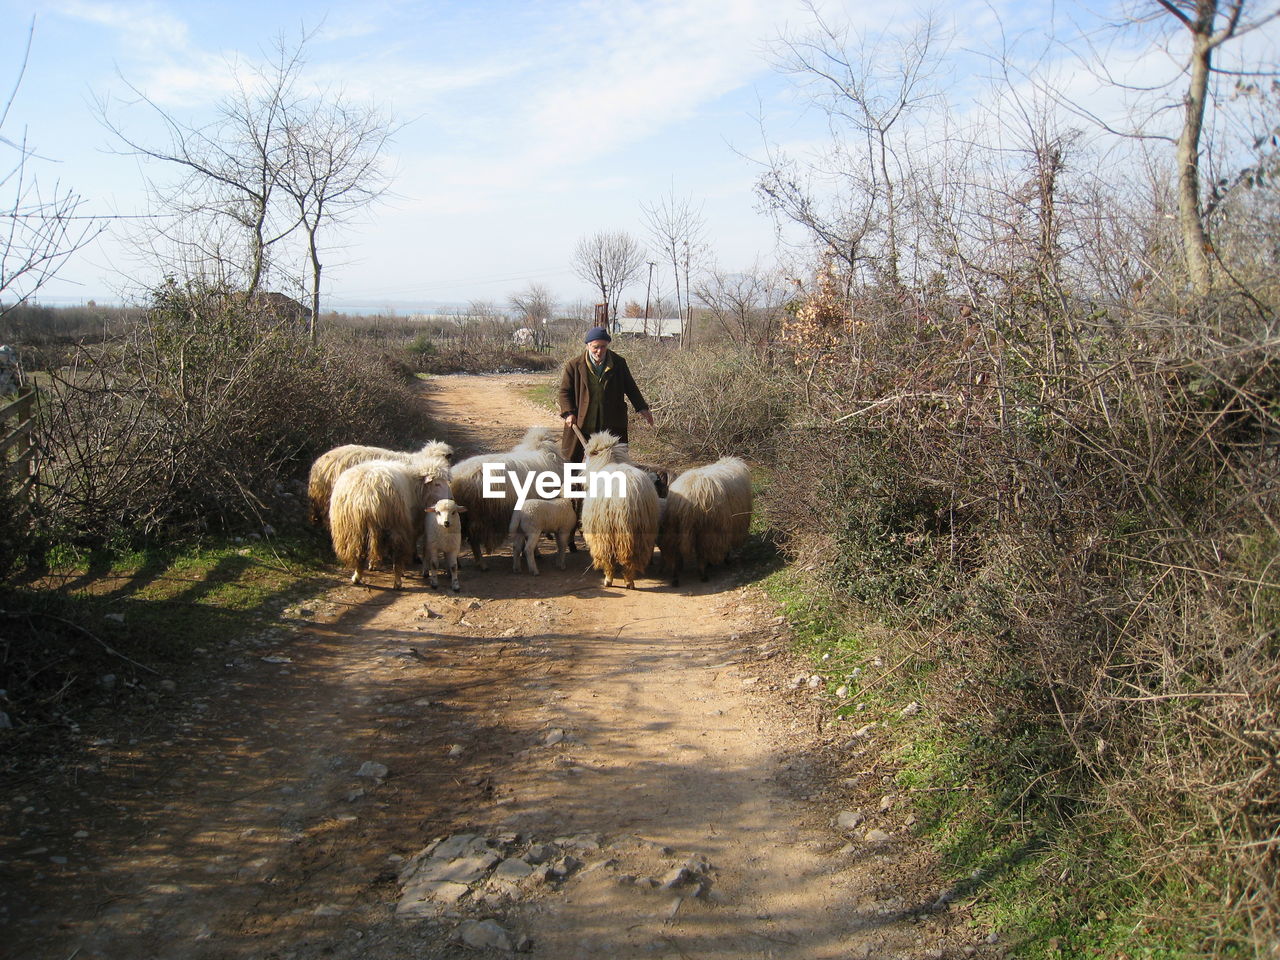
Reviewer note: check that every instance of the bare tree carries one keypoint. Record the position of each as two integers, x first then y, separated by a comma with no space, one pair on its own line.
609,261
534,303
677,229
230,168
850,198
39,230
333,169
1210,24
273,161
747,305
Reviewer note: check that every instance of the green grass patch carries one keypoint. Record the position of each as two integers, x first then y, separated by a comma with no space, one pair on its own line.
545,395
139,616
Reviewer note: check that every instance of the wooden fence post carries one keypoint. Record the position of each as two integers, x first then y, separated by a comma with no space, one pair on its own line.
17,453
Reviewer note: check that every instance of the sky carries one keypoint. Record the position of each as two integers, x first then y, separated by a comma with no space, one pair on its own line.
521,126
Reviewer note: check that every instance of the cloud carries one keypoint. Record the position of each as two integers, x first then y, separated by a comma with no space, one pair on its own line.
600,78
145,27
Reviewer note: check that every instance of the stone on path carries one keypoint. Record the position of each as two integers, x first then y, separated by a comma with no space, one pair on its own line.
485,935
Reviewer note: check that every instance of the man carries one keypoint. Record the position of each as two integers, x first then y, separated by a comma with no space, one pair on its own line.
593,393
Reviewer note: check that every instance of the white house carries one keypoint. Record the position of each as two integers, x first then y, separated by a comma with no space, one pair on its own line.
661,327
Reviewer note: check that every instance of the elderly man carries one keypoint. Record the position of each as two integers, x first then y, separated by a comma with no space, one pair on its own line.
593,392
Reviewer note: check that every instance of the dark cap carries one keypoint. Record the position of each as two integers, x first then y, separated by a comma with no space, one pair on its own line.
596,333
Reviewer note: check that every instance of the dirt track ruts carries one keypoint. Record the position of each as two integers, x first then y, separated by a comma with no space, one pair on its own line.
660,724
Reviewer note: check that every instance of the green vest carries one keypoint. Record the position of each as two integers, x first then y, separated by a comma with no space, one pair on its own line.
594,420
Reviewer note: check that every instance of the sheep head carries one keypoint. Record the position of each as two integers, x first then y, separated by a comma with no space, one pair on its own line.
446,511
603,446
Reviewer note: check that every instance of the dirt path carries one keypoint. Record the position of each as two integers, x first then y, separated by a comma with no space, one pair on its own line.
607,774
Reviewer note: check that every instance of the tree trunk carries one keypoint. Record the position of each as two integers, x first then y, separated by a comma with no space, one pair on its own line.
315,286
1195,239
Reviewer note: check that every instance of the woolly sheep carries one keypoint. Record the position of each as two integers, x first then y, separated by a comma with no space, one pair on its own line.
530,522
330,464
489,518
444,541
374,511
620,530
708,515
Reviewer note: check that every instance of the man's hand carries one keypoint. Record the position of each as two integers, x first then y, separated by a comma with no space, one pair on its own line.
571,419
648,417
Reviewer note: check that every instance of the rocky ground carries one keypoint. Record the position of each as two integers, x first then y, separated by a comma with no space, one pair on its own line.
537,766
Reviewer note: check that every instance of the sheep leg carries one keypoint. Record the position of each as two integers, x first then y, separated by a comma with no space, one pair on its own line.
481,562
531,555
608,572
517,548
560,547
452,559
433,564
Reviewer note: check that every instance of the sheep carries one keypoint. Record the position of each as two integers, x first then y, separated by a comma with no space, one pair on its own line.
708,514
374,511
488,518
530,522
330,464
620,530
444,540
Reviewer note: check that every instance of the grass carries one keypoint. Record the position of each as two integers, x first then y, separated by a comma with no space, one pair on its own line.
140,616
545,394
1051,874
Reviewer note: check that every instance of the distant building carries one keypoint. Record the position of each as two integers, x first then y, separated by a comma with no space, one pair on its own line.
281,307
659,327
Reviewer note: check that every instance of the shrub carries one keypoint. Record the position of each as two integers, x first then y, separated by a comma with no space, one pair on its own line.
710,401
200,415
1082,513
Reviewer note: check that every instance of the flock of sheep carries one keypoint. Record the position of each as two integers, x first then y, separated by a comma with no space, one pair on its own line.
381,504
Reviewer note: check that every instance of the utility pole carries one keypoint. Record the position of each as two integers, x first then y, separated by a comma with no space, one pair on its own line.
648,287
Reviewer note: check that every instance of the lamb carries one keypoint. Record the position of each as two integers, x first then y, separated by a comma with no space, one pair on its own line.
444,540
620,530
489,518
708,515
330,464
530,522
374,511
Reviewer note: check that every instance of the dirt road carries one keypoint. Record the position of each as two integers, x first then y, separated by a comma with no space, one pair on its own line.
537,764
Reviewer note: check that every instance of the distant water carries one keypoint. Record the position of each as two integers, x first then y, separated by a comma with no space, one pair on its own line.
399,309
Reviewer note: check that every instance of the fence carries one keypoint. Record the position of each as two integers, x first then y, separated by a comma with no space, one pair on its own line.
17,455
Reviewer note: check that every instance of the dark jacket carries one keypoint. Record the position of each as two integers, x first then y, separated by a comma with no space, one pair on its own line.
575,396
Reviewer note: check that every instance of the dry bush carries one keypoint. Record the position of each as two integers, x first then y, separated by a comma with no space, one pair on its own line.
1096,497
200,415
476,357
709,401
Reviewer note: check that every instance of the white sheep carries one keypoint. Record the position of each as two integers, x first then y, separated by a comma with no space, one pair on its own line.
374,510
489,518
330,464
708,515
531,521
444,540
619,525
